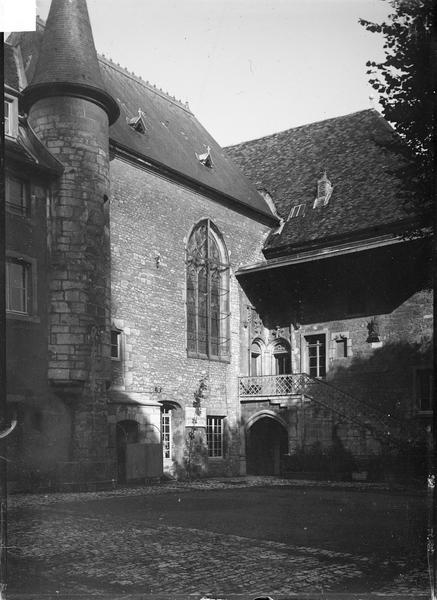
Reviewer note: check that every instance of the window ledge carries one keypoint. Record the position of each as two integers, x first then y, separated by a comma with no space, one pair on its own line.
19,317
226,360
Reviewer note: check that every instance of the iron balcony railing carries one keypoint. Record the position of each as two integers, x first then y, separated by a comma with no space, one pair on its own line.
381,423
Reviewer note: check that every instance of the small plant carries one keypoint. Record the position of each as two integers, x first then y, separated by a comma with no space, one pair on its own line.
196,448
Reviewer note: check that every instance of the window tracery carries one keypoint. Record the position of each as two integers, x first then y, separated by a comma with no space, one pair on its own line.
207,294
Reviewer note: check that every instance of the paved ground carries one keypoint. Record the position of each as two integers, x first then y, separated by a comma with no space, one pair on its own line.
220,538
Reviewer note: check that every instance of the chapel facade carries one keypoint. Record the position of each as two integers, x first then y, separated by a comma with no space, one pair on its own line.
178,309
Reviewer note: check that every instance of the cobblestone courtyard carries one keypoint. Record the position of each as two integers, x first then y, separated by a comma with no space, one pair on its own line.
219,538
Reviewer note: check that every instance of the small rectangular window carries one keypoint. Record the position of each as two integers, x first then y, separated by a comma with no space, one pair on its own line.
18,286
214,436
17,196
115,344
341,348
10,117
297,211
424,389
7,117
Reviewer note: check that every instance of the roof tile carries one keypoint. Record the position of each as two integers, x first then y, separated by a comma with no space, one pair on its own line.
358,152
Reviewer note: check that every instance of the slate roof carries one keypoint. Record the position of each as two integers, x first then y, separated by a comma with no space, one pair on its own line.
359,152
28,150
11,77
173,135
67,52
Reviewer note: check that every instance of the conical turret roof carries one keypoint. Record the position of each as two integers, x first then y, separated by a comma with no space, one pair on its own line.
67,63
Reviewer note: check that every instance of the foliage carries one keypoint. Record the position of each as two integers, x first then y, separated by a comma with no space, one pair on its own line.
405,83
195,448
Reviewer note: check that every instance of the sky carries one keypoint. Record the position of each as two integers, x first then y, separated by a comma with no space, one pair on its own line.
247,68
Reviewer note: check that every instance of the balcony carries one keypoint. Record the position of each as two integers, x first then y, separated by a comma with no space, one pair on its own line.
283,389
273,385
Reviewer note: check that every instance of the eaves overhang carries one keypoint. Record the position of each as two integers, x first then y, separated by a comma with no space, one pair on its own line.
321,254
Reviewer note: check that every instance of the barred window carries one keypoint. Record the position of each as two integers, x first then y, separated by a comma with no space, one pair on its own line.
214,436
207,293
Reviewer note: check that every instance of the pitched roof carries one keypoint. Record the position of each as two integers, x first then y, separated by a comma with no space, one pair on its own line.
11,75
359,153
68,57
173,135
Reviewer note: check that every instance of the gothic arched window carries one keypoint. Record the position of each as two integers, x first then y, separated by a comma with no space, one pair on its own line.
207,293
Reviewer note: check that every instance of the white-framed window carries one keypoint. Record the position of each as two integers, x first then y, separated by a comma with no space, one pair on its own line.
316,355
10,116
115,344
424,389
17,196
297,211
18,286
214,436
166,433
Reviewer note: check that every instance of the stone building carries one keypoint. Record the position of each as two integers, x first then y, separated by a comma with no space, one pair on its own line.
168,314
340,311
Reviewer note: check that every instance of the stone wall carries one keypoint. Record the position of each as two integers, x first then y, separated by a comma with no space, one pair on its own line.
75,131
151,219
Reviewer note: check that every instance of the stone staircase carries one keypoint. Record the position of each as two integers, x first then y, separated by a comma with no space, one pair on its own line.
290,390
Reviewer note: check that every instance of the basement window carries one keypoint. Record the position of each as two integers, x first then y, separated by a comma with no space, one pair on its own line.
205,159
297,211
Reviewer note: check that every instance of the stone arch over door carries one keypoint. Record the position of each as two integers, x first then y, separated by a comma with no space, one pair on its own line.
266,443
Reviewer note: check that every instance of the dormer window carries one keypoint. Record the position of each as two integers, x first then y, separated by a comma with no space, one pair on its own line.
138,123
205,159
324,191
10,116
297,211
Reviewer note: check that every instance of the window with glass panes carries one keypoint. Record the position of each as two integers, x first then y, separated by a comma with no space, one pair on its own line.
166,432
316,355
17,286
214,436
207,294
115,344
7,117
16,196
10,116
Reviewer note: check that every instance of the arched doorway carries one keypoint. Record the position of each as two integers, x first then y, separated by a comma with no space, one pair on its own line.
127,433
266,443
